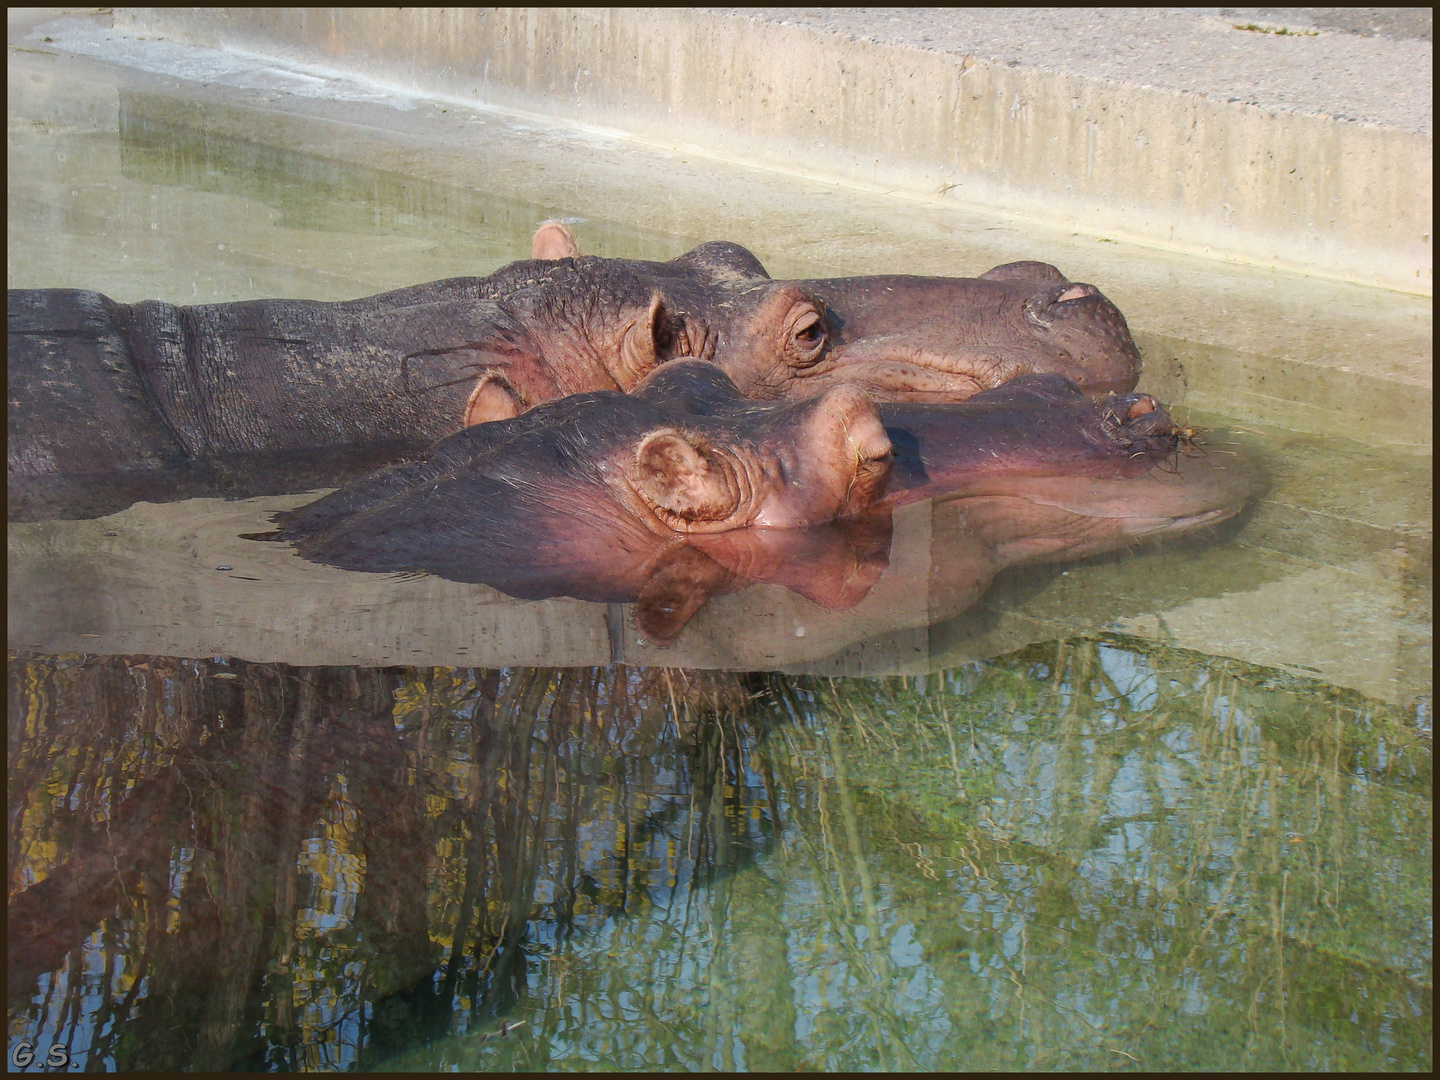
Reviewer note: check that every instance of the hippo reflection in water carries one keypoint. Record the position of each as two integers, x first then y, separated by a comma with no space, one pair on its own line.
97,387
685,489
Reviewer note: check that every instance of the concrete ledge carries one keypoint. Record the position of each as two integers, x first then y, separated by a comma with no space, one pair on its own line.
1157,167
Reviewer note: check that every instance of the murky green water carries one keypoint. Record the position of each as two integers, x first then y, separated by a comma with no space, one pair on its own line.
1163,810
1088,854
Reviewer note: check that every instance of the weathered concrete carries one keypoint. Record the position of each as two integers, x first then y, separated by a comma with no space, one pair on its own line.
1374,72
1150,164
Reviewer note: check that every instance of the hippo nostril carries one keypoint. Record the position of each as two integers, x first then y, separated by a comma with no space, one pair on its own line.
868,436
1142,405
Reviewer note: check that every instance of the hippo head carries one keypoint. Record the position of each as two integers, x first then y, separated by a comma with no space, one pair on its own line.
683,455
817,461
935,339
722,463
900,338
665,497
570,323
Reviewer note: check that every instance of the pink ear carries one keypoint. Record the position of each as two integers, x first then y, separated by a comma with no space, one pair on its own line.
553,241
678,481
492,399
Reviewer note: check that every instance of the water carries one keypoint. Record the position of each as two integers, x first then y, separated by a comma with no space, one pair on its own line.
1165,809
1086,854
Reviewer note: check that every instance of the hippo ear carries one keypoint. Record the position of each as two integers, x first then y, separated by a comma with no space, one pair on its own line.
683,484
493,399
1039,274
641,345
553,240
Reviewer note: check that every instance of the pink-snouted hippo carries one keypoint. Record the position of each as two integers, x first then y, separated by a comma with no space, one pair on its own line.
684,488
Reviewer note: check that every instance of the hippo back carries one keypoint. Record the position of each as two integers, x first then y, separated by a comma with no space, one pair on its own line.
77,403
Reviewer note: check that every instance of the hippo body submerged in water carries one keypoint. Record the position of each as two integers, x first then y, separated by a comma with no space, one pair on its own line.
148,390
684,489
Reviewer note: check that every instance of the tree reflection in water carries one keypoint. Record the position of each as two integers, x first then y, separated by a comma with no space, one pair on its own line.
1082,855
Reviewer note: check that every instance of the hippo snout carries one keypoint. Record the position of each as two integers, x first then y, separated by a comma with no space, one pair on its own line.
1141,422
849,452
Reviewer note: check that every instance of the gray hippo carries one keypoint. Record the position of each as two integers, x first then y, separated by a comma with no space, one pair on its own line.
684,488
148,390
899,337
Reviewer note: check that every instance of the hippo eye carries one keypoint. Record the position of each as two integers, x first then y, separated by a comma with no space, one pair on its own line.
807,334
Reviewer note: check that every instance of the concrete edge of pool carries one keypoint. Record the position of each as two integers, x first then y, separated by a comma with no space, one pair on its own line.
1295,189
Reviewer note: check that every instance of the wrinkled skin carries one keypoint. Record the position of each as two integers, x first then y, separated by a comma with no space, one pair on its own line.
1017,319
146,389
113,402
684,489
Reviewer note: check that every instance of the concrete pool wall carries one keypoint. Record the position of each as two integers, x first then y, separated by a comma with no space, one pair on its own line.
1158,152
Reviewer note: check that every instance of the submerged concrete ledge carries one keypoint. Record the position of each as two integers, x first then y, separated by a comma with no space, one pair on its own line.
1144,164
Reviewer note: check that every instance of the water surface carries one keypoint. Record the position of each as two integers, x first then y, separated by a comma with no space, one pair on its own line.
1087,854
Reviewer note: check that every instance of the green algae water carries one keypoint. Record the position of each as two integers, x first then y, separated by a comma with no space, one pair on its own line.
1090,854
1167,809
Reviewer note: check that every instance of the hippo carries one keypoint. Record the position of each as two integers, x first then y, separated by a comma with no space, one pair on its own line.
151,390
900,337
685,488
